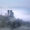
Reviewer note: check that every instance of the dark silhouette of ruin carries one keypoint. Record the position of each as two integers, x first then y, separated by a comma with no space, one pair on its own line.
10,13
14,24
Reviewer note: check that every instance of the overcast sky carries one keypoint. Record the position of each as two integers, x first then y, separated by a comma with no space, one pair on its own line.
14,3
17,6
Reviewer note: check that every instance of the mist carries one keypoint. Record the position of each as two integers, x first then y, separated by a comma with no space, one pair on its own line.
22,13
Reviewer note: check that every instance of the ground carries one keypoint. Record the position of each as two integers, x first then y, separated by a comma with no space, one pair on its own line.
19,28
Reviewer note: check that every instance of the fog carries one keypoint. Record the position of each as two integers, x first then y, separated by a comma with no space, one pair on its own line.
22,13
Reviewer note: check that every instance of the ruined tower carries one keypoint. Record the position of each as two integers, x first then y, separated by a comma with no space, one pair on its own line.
10,13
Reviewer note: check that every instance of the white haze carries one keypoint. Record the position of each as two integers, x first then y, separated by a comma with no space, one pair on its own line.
18,13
